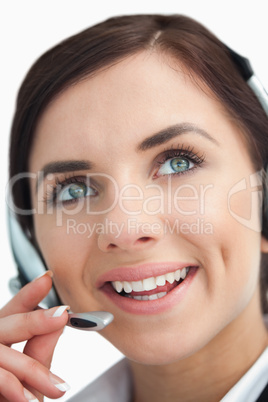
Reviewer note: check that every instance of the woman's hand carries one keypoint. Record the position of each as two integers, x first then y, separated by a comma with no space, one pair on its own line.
26,376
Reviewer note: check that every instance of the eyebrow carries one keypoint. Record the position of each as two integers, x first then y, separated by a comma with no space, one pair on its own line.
163,136
63,167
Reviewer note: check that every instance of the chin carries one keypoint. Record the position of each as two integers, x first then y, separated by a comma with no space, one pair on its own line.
154,348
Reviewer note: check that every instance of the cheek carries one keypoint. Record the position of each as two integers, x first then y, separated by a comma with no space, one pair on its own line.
68,254
192,209
221,228
227,207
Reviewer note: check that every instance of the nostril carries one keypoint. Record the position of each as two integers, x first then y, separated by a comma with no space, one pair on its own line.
144,239
111,245
125,246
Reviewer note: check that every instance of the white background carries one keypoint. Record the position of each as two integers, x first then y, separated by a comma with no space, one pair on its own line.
28,28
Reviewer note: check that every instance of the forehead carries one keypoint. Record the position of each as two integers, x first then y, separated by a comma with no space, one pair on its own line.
120,106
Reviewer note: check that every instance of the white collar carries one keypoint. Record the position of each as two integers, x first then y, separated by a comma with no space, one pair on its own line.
251,385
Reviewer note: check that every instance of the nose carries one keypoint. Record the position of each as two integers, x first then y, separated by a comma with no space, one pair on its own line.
129,236
129,233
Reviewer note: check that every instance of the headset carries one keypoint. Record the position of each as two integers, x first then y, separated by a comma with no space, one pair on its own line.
253,82
29,263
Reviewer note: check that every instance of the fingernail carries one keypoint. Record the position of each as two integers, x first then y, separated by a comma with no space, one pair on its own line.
59,383
29,396
56,311
49,273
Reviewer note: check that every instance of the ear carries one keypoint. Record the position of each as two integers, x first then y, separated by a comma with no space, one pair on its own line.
264,245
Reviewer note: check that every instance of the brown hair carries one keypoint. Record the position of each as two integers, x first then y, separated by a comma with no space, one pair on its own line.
106,43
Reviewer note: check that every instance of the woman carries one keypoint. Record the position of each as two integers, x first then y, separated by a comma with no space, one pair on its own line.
145,148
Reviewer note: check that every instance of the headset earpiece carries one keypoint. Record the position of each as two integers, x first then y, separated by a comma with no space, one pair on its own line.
27,259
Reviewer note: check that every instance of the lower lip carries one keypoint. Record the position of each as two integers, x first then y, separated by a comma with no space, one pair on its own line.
151,306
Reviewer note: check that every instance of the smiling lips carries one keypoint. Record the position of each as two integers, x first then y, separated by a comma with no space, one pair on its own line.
151,288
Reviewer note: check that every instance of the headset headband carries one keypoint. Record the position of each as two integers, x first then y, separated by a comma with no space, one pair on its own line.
247,73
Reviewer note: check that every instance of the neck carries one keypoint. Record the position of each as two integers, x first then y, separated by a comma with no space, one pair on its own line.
210,373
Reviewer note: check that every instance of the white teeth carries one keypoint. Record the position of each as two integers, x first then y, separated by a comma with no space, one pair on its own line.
127,287
152,297
161,294
170,277
160,280
118,286
150,283
183,273
137,286
137,297
177,275
145,297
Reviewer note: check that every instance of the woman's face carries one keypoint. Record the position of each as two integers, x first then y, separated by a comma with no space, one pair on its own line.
146,179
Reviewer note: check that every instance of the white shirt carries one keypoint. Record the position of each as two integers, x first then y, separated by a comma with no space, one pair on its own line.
251,385
115,384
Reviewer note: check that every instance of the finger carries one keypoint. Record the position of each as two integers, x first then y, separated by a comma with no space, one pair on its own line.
31,373
21,327
29,296
12,390
42,347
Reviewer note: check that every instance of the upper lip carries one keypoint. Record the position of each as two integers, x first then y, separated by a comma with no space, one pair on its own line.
140,272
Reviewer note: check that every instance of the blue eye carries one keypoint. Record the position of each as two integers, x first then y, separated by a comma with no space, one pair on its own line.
175,165
75,191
